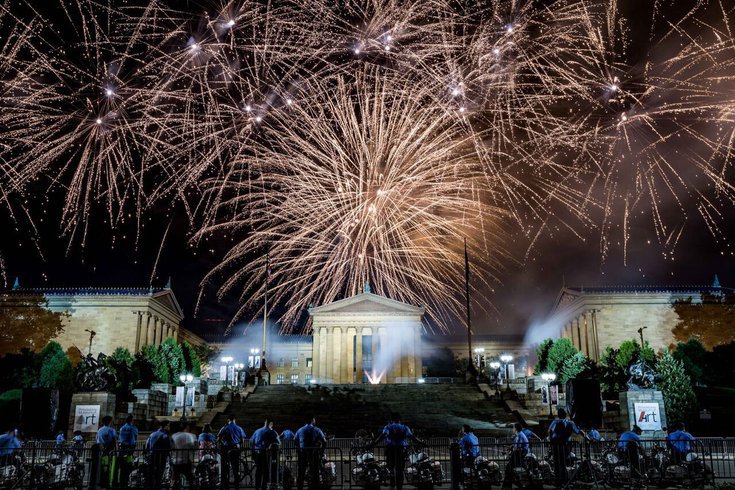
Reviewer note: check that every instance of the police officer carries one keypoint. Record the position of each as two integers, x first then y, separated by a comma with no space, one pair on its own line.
397,437
560,434
680,442
469,445
159,447
128,438
287,435
107,438
262,440
518,450
230,438
307,440
629,444
9,446
60,439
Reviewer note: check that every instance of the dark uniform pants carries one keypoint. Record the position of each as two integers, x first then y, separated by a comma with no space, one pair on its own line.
158,467
396,456
263,466
560,454
515,460
634,460
230,460
308,458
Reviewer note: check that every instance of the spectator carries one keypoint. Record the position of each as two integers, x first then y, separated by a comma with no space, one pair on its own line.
183,444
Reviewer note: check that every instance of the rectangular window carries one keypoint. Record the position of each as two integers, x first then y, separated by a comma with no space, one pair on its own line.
281,362
279,379
309,362
294,379
307,379
294,362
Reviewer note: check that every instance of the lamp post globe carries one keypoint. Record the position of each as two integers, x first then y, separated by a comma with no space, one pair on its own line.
507,359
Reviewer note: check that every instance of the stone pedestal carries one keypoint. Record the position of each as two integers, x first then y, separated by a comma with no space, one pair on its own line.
106,403
629,417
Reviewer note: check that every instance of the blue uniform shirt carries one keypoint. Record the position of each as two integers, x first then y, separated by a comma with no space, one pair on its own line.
520,441
681,441
397,435
309,436
528,433
106,436
627,437
562,430
263,438
206,437
469,444
231,435
60,440
128,435
78,439
593,434
287,435
159,440
8,443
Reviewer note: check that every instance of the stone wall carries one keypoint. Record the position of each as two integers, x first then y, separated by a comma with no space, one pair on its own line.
627,414
106,402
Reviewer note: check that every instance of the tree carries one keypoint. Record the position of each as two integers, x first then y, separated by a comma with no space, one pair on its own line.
55,370
559,353
712,320
542,356
612,376
121,363
158,364
191,360
443,363
143,371
576,366
676,387
206,355
27,323
173,357
694,358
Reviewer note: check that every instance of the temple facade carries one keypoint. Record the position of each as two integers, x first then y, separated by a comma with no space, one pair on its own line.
594,318
366,338
119,317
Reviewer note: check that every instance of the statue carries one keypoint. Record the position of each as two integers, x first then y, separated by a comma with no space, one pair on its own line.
642,376
94,374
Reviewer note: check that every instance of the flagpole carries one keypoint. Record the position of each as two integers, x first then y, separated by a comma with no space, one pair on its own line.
263,371
471,369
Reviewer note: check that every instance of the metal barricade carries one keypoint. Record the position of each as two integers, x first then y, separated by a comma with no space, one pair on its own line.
42,464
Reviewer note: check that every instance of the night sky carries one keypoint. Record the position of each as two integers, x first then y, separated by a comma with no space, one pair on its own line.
530,281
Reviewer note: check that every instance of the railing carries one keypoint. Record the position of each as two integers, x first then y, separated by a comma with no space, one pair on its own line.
342,463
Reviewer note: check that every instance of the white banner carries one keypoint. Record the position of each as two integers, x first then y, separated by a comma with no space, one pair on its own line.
87,418
179,396
648,416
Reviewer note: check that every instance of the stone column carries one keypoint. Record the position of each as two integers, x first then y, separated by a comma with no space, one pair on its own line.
160,330
154,338
595,340
138,331
315,353
358,355
571,332
390,371
329,371
417,354
337,353
579,333
376,342
348,350
148,333
323,334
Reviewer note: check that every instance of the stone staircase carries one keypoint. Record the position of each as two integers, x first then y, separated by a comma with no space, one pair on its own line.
431,410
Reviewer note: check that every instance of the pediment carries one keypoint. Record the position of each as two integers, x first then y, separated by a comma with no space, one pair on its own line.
167,299
367,303
565,297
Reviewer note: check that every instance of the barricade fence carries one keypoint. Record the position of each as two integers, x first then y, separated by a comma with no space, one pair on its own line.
354,463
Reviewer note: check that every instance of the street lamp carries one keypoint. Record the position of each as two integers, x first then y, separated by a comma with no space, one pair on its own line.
226,360
479,354
238,370
495,366
186,378
507,359
549,378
